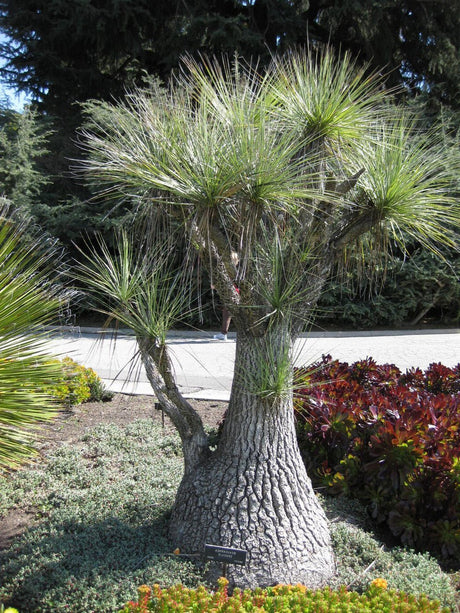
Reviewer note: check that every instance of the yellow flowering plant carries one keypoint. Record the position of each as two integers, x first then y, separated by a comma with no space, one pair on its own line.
279,599
379,583
76,384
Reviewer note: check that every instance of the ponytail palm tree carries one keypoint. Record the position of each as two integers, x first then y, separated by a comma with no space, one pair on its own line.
28,301
288,169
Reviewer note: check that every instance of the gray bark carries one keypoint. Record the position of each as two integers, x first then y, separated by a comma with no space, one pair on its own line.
253,493
188,423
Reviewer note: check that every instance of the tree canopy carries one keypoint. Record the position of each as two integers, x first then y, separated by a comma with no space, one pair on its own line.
62,52
65,53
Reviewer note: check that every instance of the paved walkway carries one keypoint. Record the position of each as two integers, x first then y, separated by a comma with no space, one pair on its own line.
204,367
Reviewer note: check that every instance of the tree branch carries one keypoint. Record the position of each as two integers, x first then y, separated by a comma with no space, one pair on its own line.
354,228
433,302
188,423
349,184
217,258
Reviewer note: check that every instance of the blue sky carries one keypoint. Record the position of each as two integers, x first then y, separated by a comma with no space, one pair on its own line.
15,100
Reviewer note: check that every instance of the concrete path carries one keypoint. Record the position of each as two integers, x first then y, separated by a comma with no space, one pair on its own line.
204,367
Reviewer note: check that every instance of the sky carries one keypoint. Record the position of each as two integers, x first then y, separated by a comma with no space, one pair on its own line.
15,100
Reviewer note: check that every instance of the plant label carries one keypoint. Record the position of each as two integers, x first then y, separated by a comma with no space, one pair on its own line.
227,555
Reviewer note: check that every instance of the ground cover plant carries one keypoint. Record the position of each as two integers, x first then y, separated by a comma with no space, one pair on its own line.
100,504
101,508
392,441
279,598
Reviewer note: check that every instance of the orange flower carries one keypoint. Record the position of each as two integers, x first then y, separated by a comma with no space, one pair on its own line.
379,583
144,590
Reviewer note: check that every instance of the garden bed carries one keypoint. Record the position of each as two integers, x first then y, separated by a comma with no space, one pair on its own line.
86,523
71,424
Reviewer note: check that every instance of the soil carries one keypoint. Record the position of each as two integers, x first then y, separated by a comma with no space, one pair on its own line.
70,425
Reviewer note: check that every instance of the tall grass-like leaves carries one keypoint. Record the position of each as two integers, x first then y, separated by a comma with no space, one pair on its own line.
207,148
325,99
151,144
408,183
140,291
27,301
281,267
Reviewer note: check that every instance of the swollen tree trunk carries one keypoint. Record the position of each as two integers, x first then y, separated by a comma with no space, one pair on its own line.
253,492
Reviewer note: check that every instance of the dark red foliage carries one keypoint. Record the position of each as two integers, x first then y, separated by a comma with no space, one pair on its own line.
392,440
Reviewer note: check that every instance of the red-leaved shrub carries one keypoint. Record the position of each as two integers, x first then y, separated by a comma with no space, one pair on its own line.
392,440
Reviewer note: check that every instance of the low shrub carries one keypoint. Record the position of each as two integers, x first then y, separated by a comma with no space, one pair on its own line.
77,384
392,441
282,598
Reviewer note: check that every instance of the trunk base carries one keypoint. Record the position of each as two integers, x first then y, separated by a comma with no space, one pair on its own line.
253,492
274,516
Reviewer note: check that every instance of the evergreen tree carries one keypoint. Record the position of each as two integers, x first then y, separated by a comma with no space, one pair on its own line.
23,141
417,41
62,52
